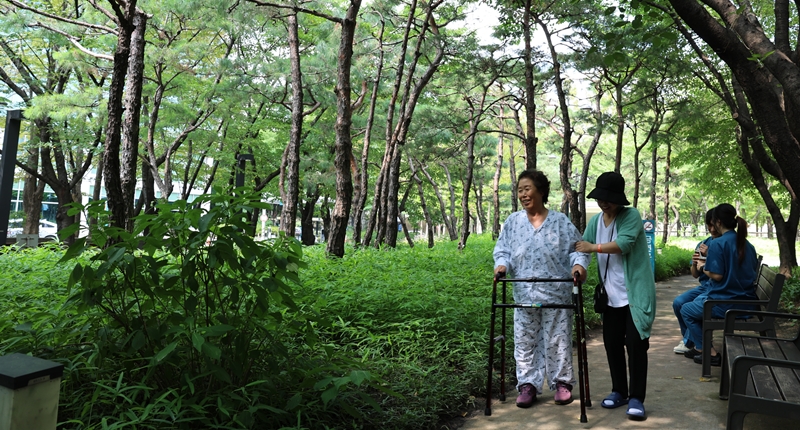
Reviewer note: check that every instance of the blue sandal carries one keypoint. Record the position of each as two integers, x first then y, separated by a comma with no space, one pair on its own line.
635,410
614,400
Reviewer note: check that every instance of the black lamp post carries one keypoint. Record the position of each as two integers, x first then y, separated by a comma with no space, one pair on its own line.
9,160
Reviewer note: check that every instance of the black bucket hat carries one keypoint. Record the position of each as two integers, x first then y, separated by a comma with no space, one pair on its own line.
610,187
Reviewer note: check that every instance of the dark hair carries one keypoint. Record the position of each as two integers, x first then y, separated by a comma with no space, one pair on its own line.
725,214
540,181
709,216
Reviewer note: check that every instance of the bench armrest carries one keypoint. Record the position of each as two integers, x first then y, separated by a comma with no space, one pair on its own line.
730,317
708,305
744,363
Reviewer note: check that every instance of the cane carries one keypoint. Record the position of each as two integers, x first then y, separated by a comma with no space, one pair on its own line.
583,371
492,340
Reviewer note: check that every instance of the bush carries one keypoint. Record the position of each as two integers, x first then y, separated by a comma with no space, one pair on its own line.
790,298
195,325
189,323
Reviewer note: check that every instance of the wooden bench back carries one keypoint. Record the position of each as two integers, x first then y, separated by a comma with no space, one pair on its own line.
769,287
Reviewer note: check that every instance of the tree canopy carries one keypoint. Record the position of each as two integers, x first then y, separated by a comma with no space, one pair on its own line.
394,118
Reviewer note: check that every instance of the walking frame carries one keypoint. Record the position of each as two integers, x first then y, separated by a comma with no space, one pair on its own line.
580,327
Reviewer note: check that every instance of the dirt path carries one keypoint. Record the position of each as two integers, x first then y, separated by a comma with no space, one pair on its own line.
677,396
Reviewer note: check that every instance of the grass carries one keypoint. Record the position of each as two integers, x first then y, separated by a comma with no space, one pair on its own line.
417,318
766,247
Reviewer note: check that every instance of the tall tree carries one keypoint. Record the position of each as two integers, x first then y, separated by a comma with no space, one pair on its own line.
766,78
344,145
407,89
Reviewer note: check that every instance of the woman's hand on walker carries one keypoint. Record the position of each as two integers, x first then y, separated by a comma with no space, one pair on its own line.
580,271
499,272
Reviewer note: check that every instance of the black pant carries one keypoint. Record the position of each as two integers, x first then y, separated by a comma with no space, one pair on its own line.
619,334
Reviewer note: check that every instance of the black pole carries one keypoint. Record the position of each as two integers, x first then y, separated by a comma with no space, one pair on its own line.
241,161
10,144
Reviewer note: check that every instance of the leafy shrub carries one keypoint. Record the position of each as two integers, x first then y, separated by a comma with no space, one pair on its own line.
672,261
189,323
377,339
790,298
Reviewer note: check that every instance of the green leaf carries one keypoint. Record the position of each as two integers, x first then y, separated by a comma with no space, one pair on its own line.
26,327
216,330
637,22
165,352
69,230
197,341
74,250
138,340
359,376
329,394
190,304
212,351
293,402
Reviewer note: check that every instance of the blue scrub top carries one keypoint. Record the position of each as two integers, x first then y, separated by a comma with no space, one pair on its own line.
703,278
737,279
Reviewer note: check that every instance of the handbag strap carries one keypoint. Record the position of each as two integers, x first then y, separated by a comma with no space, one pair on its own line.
610,236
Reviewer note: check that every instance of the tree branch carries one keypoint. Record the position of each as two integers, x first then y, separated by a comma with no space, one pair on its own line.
61,18
297,9
75,42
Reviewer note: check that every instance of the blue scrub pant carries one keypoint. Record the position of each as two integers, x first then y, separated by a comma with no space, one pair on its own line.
677,304
692,313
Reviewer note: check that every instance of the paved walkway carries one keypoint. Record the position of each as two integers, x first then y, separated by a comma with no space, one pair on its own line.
677,396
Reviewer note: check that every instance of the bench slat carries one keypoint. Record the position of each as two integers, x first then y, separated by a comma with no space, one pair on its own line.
735,348
761,376
788,379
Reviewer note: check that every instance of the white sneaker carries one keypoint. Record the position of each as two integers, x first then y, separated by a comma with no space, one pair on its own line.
681,348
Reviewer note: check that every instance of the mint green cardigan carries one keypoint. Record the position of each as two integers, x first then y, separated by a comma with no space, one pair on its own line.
639,279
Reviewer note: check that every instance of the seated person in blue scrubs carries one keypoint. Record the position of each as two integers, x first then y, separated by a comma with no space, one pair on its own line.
732,266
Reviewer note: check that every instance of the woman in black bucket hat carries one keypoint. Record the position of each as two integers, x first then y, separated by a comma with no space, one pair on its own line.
618,238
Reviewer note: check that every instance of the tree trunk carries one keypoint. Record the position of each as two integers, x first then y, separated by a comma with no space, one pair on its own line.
467,185
667,179
422,202
758,65
344,144
325,215
115,198
677,223
740,100
307,217
530,90
477,189
620,127
653,178
498,171
569,203
132,106
290,165
598,132
363,183
452,219
397,137
32,193
445,218
401,219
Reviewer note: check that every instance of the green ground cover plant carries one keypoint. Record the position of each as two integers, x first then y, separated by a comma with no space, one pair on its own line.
198,326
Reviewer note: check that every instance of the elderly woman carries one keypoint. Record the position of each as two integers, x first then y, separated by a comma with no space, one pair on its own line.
617,236
537,242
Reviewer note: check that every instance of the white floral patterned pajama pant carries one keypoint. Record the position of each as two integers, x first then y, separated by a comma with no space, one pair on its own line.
543,346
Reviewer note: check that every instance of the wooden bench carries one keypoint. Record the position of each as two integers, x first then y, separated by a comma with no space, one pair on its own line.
769,286
759,374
